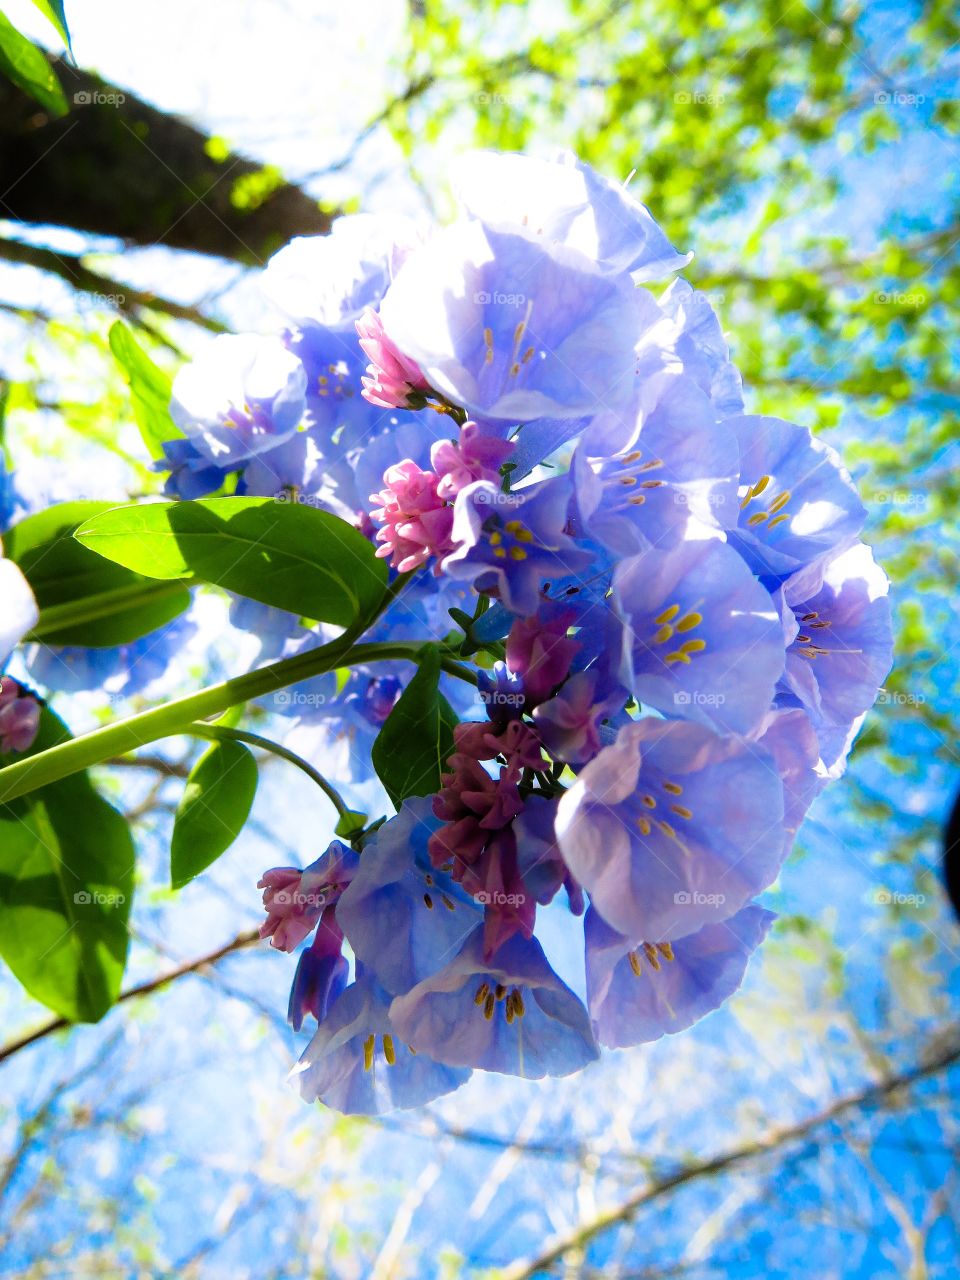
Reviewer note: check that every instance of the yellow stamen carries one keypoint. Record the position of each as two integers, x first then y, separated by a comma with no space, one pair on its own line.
368,1047
388,1051
689,622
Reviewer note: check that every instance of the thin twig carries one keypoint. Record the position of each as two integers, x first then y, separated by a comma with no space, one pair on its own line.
245,939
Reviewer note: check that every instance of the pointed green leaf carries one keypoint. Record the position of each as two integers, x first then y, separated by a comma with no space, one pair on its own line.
412,748
84,599
216,803
288,555
66,884
149,390
54,10
23,63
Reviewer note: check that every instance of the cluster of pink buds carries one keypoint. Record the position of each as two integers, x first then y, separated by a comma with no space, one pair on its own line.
415,507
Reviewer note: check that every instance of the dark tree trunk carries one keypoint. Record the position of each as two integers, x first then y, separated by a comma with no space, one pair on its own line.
122,168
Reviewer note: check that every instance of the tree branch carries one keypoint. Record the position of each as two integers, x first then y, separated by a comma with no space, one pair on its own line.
940,1060
242,940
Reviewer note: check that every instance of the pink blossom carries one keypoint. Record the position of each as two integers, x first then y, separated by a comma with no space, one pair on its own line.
474,457
417,523
19,717
392,380
292,909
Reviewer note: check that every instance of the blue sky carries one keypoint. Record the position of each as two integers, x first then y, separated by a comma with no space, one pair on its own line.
187,1124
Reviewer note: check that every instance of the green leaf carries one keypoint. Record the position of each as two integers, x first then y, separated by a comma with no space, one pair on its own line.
412,748
23,63
53,9
288,555
215,805
149,390
350,824
84,599
66,884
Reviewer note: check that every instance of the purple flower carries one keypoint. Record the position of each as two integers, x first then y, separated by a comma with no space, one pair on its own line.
788,735
19,717
192,474
510,327
639,481
638,992
405,918
539,859
335,412
540,650
295,900
332,279
673,827
123,669
321,975
502,693
509,1013
700,347
475,456
796,498
358,1064
704,640
12,504
509,543
567,202
242,395
569,723
841,645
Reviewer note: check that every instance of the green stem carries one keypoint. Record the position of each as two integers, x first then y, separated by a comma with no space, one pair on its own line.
217,732
171,719
61,617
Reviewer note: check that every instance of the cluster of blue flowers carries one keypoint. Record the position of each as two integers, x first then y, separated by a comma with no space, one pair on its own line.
677,629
